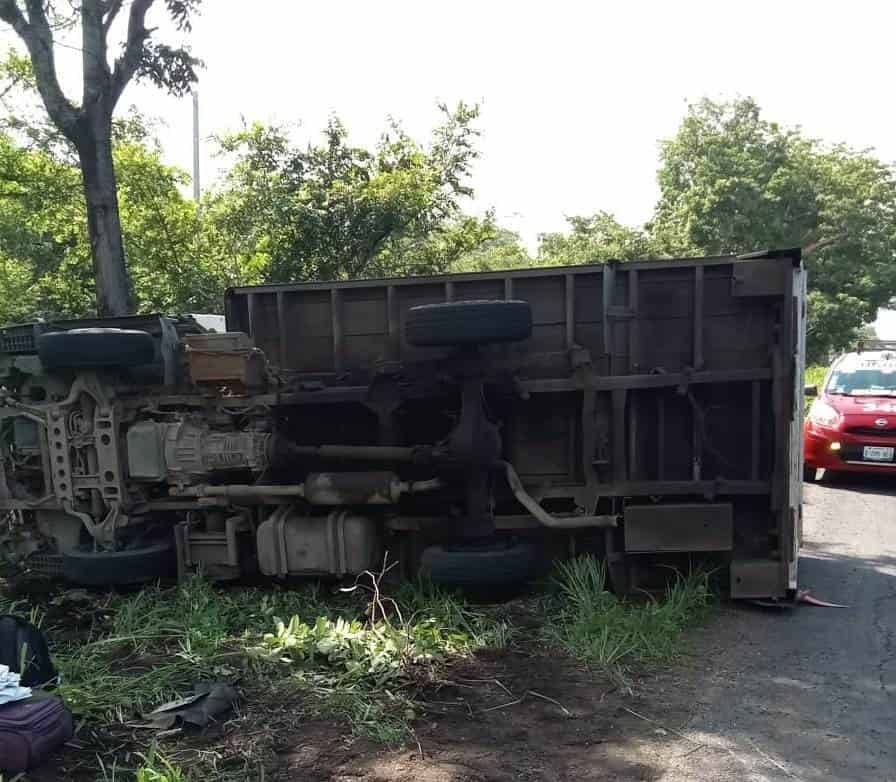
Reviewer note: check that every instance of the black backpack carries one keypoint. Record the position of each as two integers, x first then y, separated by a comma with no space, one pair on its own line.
24,649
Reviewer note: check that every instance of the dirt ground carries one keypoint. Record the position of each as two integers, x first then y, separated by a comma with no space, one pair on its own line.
506,718
764,695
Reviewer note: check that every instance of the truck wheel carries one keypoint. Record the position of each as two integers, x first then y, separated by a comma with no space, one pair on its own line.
114,568
95,348
492,564
468,323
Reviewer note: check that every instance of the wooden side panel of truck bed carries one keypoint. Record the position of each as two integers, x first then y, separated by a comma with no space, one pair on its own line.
645,381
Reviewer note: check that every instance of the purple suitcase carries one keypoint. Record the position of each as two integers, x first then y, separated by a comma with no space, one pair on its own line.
31,730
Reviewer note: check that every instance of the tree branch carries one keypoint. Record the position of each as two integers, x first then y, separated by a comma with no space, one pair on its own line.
35,32
126,65
820,244
111,11
10,13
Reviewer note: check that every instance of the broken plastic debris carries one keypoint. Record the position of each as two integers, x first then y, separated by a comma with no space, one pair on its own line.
210,701
802,596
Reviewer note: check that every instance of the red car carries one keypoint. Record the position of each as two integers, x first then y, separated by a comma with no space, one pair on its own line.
851,426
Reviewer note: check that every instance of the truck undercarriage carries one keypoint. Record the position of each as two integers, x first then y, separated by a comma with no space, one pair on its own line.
471,427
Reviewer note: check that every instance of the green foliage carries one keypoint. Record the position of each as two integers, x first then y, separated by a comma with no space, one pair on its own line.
501,249
376,654
732,181
327,212
157,768
85,126
593,240
423,598
45,262
159,642
815,376
19,299
442,249
172,264
594,625
337,211
39,238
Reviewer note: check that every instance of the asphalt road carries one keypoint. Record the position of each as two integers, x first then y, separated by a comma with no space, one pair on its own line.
806,694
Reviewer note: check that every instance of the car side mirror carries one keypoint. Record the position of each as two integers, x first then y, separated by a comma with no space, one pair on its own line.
811,391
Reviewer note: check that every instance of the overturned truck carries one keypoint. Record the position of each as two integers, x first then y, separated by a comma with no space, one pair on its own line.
471,426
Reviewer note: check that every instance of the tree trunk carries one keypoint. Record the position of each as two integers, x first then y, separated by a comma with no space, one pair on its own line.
104,223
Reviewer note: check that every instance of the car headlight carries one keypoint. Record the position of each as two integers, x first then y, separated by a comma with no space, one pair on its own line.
823,414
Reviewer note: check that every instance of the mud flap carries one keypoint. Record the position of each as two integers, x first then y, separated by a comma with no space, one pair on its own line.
757,578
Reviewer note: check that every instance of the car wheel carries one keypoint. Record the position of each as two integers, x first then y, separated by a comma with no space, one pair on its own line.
810,474
494,564
468,323
99,348
140,565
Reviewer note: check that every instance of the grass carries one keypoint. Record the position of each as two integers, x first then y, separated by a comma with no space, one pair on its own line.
154,768
157,643
157,768
152,646
592,624
356,656
815,375
299,653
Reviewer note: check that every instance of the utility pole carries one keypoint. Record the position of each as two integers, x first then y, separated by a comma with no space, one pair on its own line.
196,188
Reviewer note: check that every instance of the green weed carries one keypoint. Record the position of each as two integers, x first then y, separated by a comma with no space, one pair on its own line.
362,668
384,717
158,642
592,624
482,629
156,768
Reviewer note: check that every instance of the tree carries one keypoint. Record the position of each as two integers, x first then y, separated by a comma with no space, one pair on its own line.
503,250
441,248
731,181
88,125
600,237
45,260
337,211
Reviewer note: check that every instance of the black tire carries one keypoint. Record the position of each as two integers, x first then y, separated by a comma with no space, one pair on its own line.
114,568
810,474
471,566
468,323
87,348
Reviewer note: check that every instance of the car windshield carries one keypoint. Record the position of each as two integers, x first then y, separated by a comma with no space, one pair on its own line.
872,378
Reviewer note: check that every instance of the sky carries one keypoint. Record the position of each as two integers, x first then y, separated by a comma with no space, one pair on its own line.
885,325
574,95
